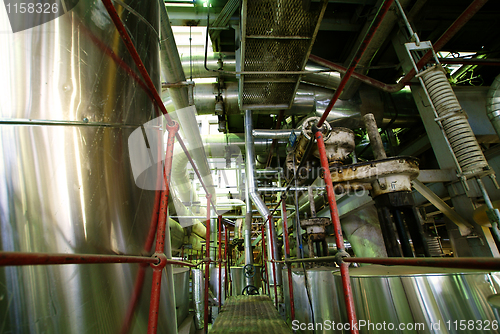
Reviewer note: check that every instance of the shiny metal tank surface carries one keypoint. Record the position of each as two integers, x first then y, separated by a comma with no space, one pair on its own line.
317,296
423,300
181,287
238,279
66,185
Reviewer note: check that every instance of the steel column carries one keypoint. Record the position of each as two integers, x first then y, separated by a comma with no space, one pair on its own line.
339,239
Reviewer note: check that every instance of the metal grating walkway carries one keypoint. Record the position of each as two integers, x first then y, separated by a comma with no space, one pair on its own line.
249,315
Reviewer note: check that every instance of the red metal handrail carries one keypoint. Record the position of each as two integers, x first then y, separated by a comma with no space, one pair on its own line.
287,255
220,260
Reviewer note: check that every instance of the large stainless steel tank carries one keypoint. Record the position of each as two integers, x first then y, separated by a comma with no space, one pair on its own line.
181,286
238,279
437,300
417,298
318,297
66,185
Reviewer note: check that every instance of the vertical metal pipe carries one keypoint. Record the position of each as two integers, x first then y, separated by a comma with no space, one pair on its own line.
220,260
403,236
374,136
255,197
207,265
339,239
247,232
161,233
287,256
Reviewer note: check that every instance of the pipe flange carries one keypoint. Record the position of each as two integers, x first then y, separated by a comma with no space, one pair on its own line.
339,257
162,261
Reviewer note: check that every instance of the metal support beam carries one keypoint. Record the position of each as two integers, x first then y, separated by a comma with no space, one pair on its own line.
464,226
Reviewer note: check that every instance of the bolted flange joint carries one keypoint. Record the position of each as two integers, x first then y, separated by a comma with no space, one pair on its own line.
174,126
162,261
339,257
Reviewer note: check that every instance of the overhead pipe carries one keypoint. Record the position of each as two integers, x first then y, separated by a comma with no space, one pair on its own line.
493,104
382,11
383,31
473,8
319,76
254,195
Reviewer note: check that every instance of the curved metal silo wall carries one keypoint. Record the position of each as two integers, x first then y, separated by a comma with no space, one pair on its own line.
66,185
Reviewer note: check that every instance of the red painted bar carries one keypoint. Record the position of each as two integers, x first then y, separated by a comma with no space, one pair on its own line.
226,282
287,256
339,239
161,232
270,224
264,260
220,260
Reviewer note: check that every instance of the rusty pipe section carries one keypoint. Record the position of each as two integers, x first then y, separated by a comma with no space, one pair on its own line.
374,135
254,195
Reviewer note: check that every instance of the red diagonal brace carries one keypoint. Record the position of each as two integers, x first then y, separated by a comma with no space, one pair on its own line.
160,232
339,239
287,256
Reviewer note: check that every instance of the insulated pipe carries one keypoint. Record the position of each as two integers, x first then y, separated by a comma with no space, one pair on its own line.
493,104
274,134
170,63
253,194
247,233
374,135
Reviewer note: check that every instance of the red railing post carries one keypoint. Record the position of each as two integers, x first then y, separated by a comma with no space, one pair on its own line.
220,260
287,256
271,237
264,264
339,239
161,232
226,282
207,264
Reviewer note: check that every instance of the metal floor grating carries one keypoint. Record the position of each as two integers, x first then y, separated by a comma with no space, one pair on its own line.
249,314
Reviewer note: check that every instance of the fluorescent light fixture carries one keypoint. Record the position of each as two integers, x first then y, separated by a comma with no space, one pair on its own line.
205,80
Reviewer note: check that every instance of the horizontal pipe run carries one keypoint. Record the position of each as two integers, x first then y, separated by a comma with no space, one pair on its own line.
30,259
278,189
459,263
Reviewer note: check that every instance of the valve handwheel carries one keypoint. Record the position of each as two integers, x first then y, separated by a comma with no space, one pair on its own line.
250,290
249,270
